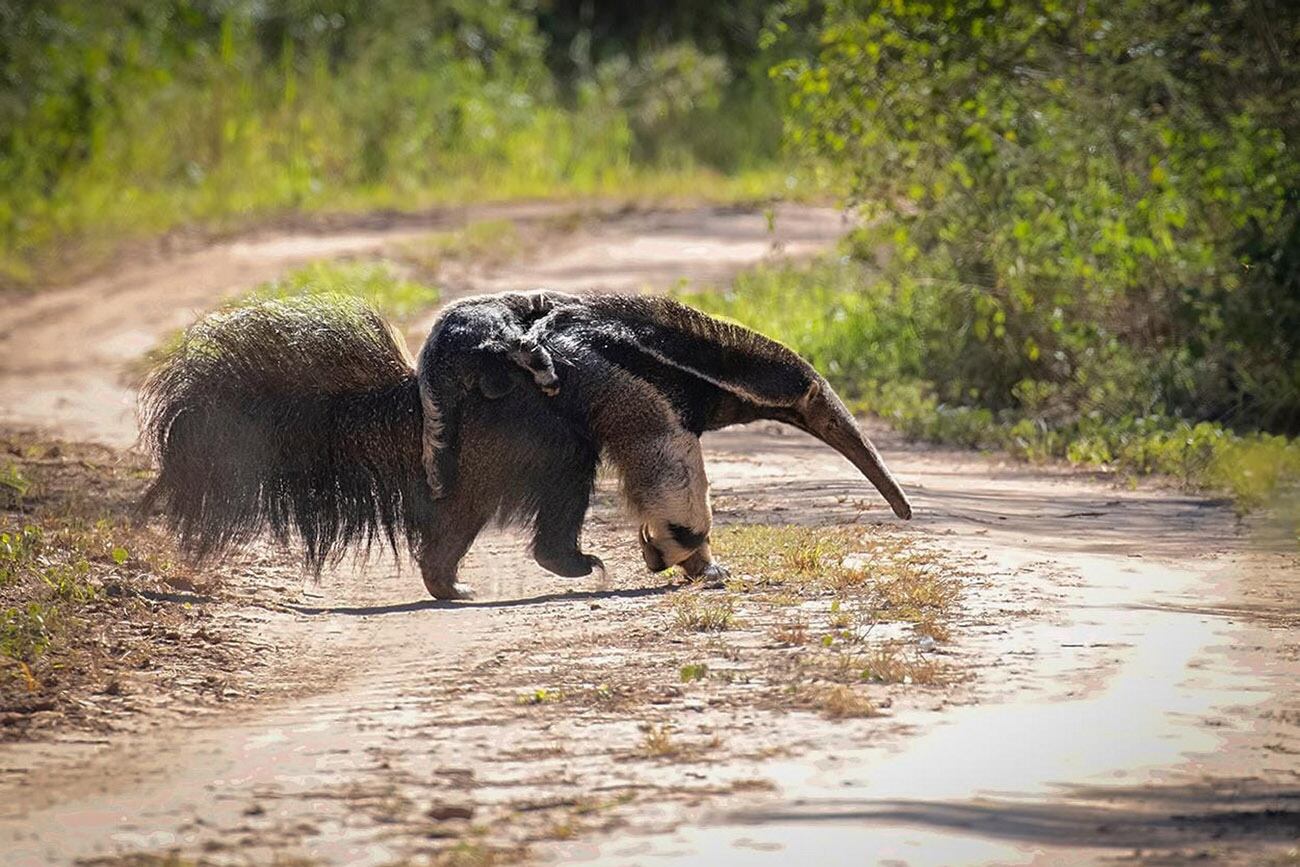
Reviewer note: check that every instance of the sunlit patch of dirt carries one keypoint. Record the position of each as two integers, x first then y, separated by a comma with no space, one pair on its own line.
831,619
682,695
103,626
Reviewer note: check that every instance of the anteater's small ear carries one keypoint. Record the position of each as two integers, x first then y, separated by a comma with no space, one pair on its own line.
495,381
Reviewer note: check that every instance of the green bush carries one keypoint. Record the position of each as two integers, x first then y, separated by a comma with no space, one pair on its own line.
1099,201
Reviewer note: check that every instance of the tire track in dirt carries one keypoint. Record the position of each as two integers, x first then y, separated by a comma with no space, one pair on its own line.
1116,705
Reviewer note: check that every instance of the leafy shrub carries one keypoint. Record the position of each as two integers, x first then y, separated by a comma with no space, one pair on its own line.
24,632
1094,207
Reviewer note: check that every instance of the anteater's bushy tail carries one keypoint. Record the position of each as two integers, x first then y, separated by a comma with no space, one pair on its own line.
300,417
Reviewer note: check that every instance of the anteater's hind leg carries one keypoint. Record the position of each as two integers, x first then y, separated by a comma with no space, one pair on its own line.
514,460
473,497
560,516
457,521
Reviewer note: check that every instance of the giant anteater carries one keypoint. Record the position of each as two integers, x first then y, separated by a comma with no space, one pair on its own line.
306,417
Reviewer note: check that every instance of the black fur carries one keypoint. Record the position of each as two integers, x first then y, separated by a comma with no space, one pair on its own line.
304,417
686,537
713,373
517,463
480,346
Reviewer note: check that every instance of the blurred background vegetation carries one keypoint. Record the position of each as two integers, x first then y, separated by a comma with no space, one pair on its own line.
138,115
1078,223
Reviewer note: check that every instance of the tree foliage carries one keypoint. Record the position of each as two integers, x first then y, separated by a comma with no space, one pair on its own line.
1100,200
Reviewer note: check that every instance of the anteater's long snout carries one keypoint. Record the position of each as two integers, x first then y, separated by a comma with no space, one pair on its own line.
827,418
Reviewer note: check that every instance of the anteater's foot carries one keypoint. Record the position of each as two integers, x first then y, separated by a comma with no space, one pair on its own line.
703,569
447,588
569,564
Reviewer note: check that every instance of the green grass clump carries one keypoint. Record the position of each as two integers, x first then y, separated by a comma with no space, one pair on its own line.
887,578
694,671
25,632
13,485
376,283
17,549
695,613
540,696
484,242
43,580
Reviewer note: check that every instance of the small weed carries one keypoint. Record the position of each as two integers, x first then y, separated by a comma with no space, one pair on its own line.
604,693
791,632
694,671
839,618
25,631
890,665
68,581
13,485
845,702
540,696
694,613
930,627
18,548
915,594
806,556
658,741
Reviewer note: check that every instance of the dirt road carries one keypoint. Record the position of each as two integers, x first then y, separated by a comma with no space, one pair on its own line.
1124,661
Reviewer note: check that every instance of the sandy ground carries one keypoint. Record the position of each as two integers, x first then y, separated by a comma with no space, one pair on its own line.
1126,659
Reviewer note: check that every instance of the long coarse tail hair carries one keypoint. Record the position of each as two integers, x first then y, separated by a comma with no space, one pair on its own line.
299,417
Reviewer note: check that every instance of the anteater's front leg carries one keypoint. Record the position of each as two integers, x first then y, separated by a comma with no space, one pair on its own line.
667,487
